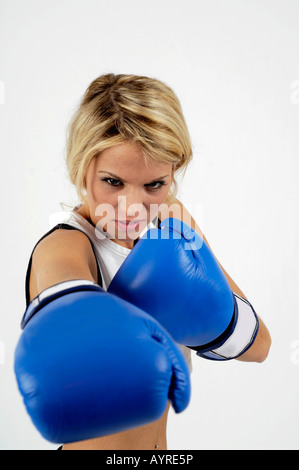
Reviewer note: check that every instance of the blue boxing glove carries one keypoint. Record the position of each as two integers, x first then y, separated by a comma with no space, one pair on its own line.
90,364
172,274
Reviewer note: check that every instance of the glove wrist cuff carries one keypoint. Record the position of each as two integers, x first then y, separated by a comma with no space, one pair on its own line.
241,337
53,292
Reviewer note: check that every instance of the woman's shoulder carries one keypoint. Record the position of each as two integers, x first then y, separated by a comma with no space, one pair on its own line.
62,242
177,209
63,255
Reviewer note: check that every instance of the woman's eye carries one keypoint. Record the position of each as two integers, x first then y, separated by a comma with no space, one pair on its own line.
156,185
117,183
112,181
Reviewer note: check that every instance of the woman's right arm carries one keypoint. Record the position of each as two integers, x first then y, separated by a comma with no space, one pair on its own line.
70,390
61,256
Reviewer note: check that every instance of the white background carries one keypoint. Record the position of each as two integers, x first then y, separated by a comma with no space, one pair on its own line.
235,66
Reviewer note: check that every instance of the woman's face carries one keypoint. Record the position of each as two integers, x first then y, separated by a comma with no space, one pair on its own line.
123,192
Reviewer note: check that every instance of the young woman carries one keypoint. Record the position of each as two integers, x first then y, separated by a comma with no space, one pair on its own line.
126,143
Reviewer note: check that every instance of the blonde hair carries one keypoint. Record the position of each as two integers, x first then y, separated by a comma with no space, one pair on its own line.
127,108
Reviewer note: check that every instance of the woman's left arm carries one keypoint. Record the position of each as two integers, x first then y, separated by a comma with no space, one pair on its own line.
259,350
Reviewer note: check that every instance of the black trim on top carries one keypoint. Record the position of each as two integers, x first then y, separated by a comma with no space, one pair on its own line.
57,227
66,227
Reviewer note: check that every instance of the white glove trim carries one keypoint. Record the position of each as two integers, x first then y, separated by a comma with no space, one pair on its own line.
242,337
60,288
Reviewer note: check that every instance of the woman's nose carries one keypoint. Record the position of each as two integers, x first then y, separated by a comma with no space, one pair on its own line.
131,204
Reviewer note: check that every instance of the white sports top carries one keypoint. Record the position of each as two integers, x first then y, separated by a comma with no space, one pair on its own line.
110,255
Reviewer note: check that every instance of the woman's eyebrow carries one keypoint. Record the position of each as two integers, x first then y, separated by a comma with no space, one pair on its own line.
113,176
121,179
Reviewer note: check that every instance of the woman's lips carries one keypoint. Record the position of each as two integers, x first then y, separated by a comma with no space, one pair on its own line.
129,225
